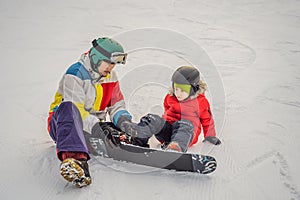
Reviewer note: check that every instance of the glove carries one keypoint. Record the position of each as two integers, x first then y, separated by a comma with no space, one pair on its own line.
129,128
212,140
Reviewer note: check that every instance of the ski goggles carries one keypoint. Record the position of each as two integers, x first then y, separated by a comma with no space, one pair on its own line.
118,58
184,87
114,58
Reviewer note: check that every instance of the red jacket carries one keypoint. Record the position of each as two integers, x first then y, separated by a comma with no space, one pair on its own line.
196,110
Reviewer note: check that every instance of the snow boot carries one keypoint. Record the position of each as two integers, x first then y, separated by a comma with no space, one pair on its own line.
76,172
182,134
173,146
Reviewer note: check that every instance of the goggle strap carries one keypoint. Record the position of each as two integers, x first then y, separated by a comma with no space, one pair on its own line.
100,49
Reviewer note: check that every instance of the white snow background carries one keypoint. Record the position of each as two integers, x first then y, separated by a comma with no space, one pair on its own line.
254,45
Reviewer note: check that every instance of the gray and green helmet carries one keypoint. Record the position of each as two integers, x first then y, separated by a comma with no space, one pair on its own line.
108,50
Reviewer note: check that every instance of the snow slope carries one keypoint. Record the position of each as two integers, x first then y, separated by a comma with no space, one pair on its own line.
253,49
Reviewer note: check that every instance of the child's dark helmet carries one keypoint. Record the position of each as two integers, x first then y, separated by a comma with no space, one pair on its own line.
187,75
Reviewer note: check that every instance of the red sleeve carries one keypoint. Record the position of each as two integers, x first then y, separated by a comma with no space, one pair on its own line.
116,94
111,94
206,118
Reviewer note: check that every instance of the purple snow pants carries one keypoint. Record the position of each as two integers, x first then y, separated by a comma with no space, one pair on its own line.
66,129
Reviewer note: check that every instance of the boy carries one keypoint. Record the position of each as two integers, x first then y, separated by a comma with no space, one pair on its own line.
186,109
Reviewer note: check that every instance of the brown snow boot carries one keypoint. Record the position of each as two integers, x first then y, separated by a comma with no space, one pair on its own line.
76,172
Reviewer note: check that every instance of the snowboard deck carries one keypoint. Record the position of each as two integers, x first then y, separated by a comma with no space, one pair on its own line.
107,144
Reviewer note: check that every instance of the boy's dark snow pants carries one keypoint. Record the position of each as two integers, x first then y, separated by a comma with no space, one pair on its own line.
181,131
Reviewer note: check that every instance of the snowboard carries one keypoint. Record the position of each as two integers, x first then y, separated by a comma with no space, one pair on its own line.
109,144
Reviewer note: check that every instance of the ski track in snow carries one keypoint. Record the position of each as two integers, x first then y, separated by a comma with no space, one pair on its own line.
230,56
235,171
285,175
281,164
272,94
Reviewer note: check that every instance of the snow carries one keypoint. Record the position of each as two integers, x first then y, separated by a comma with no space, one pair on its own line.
247,51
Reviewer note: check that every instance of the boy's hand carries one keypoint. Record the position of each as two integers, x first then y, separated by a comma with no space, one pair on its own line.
129,128
213,140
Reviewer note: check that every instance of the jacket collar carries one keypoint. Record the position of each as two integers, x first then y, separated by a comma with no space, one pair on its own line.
85,60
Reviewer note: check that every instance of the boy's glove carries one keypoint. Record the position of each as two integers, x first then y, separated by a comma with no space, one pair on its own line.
213,140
